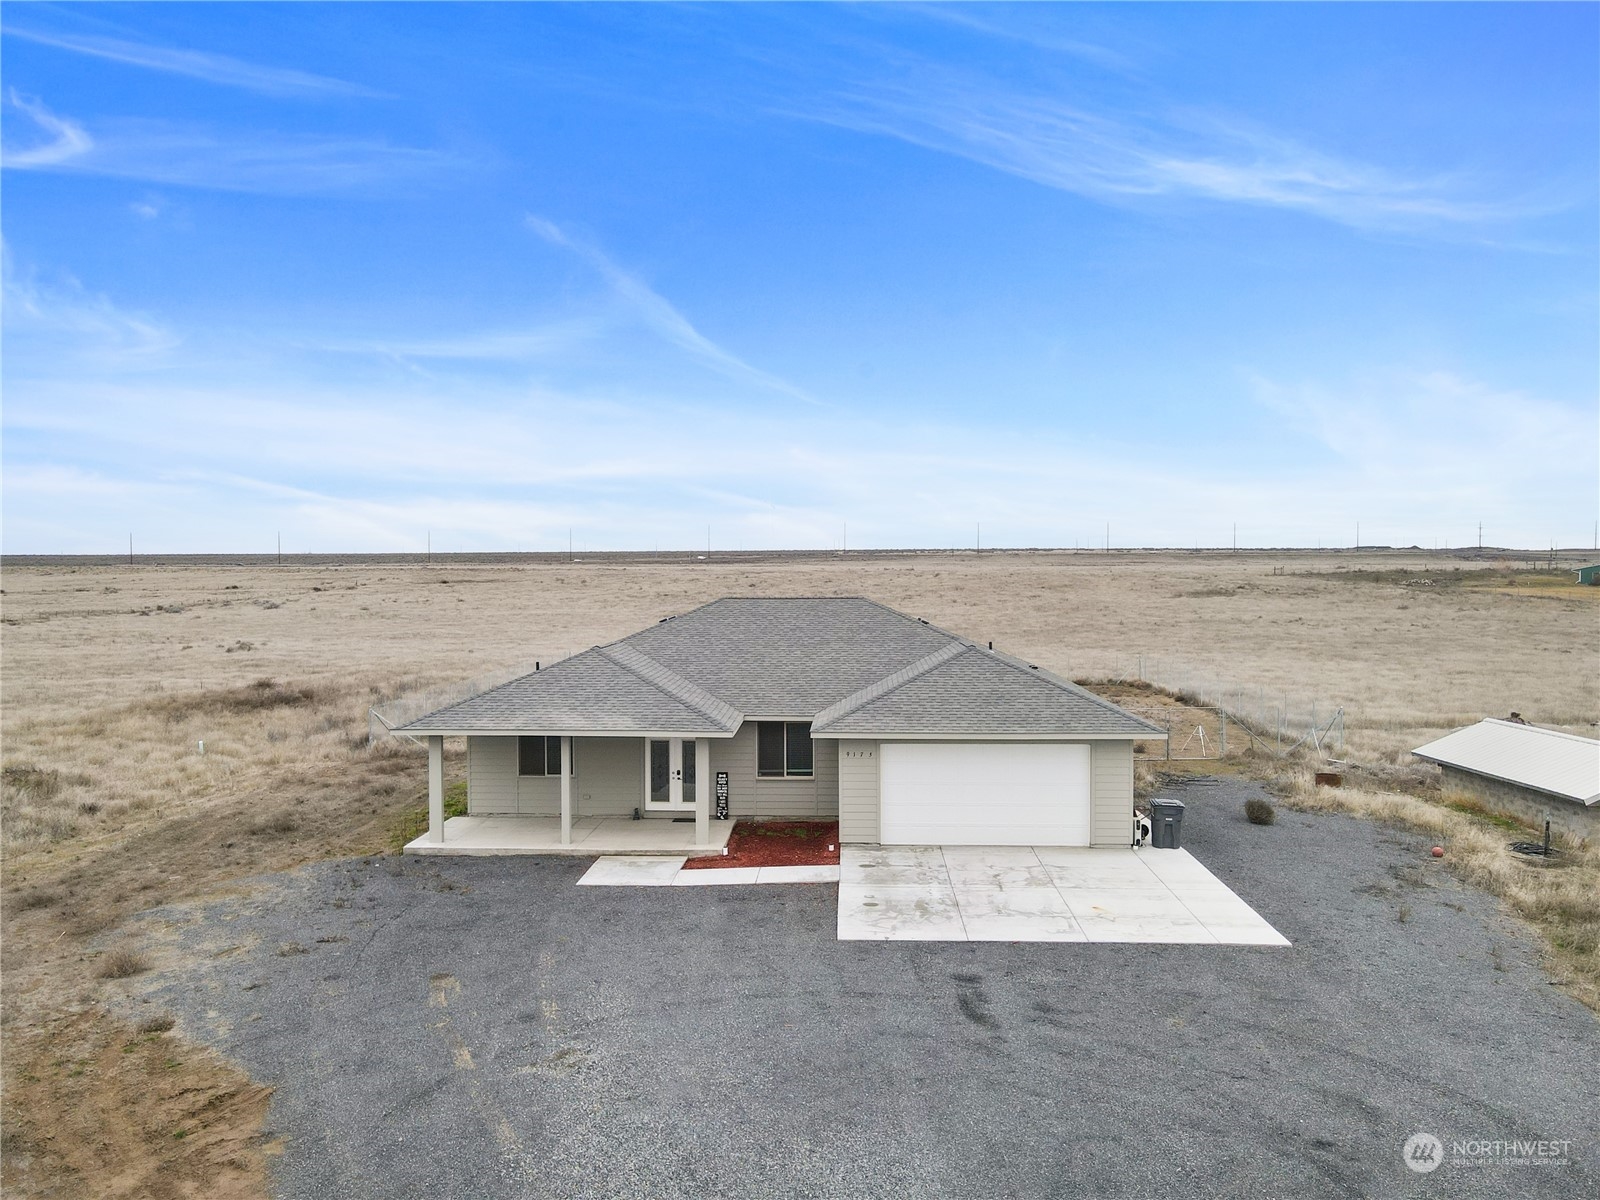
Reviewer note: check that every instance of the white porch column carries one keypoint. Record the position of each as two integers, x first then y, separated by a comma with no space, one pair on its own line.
435,788
702,791
566,791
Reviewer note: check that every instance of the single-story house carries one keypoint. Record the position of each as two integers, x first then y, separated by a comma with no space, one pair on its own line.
1537,774
816,707
1589,575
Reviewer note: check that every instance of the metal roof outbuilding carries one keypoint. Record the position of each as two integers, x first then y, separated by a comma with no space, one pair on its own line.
1545,760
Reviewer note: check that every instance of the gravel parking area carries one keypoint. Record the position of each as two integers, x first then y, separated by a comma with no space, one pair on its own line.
483,1028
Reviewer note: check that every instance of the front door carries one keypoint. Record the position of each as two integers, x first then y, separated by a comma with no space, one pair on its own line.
669,775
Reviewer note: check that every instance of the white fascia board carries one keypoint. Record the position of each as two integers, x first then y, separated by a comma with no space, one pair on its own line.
577,733
994,737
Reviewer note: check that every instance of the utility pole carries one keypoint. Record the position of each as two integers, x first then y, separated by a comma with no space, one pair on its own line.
430,546
1108,537
280,548
1236,537
708,543
130,549
569,543
844,541
1358,535
980,538
1480,535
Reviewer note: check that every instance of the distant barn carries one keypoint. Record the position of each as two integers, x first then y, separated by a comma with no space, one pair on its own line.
1537,774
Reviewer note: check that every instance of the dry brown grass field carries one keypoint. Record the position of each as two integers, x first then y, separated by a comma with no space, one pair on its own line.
113,676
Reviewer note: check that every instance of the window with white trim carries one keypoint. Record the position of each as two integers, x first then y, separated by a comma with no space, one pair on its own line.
539,755
783,749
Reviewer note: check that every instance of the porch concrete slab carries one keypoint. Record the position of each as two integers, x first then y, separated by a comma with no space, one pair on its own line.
716,876
637,870
590,836
1043,894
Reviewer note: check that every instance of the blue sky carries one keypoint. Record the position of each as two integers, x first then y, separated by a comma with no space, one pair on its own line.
360,272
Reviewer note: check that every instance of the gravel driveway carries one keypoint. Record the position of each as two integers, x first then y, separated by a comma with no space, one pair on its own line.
483,1028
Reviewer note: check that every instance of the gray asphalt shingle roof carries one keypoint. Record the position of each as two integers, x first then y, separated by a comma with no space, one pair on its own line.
849,664
788,657
977,691
601,691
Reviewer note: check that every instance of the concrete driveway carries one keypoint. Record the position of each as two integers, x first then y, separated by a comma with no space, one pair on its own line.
1040,894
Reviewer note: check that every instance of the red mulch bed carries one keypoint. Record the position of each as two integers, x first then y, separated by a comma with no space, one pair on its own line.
776,844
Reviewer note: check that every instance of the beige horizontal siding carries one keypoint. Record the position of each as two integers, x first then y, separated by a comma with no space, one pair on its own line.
492,776
610,778
750,795
858,791
1110,793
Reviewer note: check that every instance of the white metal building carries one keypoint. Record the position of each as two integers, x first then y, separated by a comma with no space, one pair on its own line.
1539,774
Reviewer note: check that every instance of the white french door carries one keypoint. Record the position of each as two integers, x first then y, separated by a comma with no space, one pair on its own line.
669,775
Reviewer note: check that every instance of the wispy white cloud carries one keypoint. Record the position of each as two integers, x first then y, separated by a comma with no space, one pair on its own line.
1436,441
359,468
189,155
65,318
499,345
1030,33
1121,157
195,64
661,316
67,139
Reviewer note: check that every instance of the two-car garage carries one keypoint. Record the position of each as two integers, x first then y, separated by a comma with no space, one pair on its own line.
984,793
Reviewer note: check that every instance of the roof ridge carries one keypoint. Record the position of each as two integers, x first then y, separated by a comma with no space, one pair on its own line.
1561,733
889,683
664,678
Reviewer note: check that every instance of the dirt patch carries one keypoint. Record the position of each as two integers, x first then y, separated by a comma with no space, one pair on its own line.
92,1105
130,1114
776,844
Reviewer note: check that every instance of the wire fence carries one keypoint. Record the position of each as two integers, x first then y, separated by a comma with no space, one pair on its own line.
1271,719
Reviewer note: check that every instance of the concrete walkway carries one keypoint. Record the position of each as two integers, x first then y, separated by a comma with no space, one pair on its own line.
590,836
667,871
1040,894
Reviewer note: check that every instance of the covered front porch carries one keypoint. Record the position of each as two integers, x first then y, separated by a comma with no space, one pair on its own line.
587,836
624,795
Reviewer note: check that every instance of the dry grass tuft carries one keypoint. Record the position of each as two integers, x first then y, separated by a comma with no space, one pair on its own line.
123,963
160,1023
31,782
1259,812
260,696
282,821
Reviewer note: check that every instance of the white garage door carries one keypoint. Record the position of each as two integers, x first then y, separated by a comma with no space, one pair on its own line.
985,794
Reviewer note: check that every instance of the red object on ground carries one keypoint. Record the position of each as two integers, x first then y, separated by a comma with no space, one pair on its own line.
1438,851
776,844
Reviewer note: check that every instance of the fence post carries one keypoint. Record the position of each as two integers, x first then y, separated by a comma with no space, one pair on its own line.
1169,740
1223,751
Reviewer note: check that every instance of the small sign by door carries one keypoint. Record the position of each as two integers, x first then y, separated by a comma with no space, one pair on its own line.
722,795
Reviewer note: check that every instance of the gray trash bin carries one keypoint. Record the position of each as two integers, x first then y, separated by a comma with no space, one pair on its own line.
1166,824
